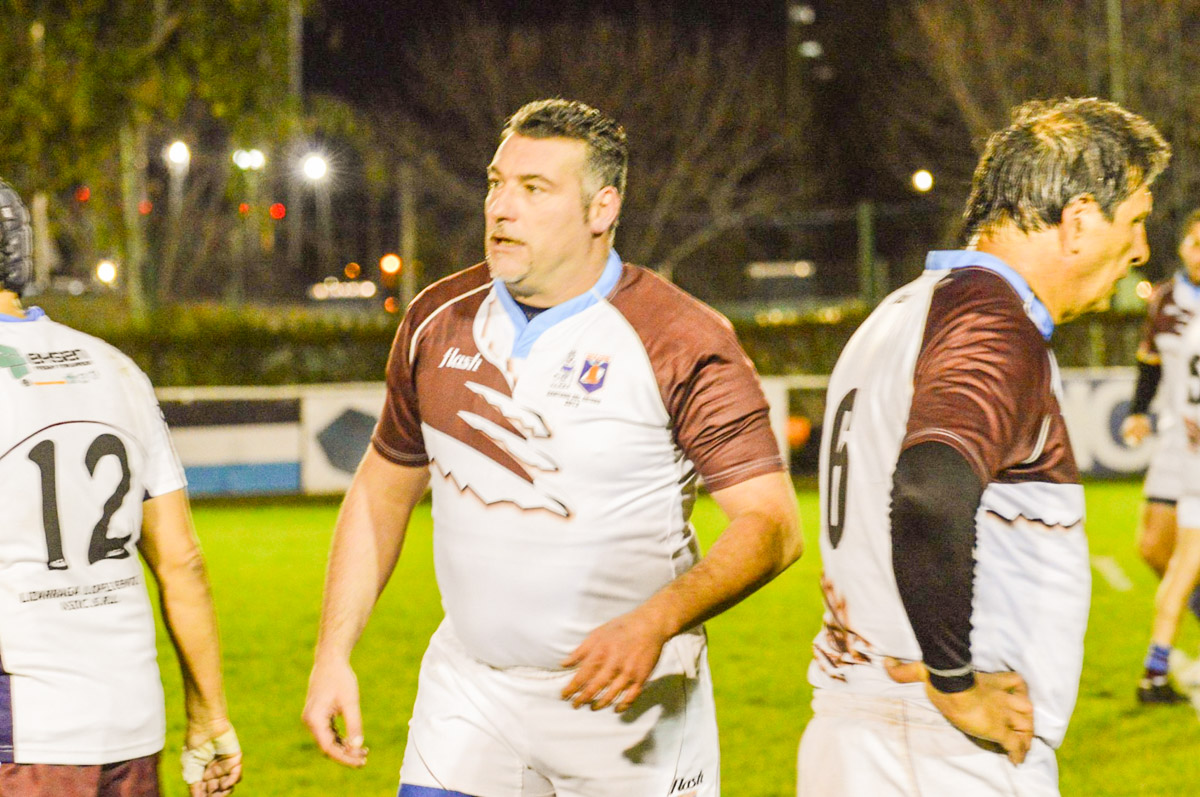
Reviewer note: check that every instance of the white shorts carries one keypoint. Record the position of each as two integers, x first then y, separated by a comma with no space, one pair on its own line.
1164,476
857,745
507,732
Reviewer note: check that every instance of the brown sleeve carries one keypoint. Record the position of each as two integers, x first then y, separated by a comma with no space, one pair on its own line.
982,375
398,435
709,386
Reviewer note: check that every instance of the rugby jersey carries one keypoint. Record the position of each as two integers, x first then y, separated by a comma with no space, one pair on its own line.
1172,305
959,356
564,450
82,444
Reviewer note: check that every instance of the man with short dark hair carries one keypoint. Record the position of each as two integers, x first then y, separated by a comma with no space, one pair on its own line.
562,405
88,472
957,578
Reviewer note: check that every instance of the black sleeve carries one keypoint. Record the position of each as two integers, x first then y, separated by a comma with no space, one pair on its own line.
935,495
1147,385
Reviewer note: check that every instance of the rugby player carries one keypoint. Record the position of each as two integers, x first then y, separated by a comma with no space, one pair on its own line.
956,573
87,475
562,404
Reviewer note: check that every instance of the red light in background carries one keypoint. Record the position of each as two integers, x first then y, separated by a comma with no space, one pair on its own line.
353,270
83,193
145,206
277,211
244,208
391,304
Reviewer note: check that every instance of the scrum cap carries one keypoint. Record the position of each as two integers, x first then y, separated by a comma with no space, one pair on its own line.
16,241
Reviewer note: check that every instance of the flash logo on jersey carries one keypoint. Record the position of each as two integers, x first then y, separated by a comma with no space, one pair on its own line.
595,368
12,360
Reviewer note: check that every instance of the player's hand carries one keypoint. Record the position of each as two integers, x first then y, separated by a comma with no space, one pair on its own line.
212,765
613,663
333,693
1135,429
996,709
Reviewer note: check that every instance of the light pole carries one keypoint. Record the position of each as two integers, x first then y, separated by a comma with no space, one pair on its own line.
250,162
315,168
179,159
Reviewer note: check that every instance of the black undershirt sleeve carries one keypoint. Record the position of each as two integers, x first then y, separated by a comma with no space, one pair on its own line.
1144,390
935,495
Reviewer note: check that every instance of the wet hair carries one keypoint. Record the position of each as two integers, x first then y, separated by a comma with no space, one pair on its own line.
607,147
1054,151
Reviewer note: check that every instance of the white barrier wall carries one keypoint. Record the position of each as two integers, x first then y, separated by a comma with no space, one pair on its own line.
309,438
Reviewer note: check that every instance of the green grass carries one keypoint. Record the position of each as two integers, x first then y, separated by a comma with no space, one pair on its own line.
267,564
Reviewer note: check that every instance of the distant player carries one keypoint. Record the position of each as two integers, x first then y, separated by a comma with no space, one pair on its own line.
88,475
957,578
1162,372
562,404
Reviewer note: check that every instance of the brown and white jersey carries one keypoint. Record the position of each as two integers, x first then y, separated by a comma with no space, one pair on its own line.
564,450
959,356
1172,306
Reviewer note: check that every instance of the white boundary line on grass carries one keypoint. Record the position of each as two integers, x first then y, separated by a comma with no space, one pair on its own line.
1110,570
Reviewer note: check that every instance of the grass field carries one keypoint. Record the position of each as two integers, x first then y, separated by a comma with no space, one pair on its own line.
267,563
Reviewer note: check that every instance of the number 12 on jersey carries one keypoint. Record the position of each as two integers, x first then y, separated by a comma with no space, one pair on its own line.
101,546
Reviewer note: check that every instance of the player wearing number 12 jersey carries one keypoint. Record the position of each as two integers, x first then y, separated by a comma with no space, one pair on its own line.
956,573
88,477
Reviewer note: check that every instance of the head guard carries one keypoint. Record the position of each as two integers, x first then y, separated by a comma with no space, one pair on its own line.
16,241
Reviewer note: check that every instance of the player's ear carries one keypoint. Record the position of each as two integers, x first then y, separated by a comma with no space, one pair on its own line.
1076,222
604,209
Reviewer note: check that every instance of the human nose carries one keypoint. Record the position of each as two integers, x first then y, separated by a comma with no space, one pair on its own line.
1141,249
498,204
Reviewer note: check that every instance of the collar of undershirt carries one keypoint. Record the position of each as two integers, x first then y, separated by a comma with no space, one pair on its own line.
962,258
529,330
31,314
1184,282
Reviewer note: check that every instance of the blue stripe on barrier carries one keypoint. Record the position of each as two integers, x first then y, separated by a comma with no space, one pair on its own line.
409,790
266,477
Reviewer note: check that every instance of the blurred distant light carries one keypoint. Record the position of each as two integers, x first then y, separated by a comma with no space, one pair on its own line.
178,154
922,180
802,14
391,304
352,270
106,272
390,264
145,206
811,49
332,288
825,73
252,159
368,289
314,166
244,208
83,193
277,211
1143,290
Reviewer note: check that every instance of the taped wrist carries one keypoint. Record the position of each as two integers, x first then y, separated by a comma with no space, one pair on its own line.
1148,377
935,495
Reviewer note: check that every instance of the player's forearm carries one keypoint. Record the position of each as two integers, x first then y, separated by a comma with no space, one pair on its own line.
191,622
758,544
367,541
172,552
1148,376
935,495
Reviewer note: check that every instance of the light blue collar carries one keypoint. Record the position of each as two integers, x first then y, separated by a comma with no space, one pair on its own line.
1184,282
529,331
961,258
31,314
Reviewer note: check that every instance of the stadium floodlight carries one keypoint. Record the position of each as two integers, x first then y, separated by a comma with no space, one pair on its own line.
314,166
178,155
922,180
106,272
252,159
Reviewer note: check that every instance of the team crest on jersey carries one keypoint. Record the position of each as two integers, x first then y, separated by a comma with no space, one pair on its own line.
11,359
595,369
